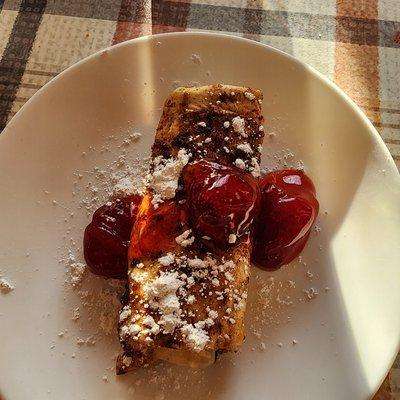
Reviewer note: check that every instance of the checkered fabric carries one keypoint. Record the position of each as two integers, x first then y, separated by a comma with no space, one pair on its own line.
355,43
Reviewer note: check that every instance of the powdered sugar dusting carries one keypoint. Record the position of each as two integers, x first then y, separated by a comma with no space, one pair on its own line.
250,96
76,270
238,125
102,304
195,337
245,147
240,163
168,295
164,179
95,302
126,186
185,239
6,286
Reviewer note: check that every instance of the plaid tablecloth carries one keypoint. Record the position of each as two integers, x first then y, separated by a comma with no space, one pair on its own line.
356,43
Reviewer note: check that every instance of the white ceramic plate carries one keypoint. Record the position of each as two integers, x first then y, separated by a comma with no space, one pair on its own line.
346,336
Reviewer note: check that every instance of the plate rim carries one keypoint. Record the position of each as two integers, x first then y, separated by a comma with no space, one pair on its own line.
390,163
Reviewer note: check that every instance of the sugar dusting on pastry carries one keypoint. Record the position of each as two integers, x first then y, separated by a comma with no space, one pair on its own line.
126,172
6,286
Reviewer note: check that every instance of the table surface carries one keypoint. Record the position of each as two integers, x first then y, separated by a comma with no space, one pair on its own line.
355,43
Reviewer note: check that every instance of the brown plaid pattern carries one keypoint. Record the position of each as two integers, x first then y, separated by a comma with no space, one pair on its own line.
356,43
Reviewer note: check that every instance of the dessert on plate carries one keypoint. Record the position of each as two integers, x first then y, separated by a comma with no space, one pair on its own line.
187,298
185,245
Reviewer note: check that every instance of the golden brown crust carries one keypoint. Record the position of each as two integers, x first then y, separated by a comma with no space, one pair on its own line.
186,108
190,116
